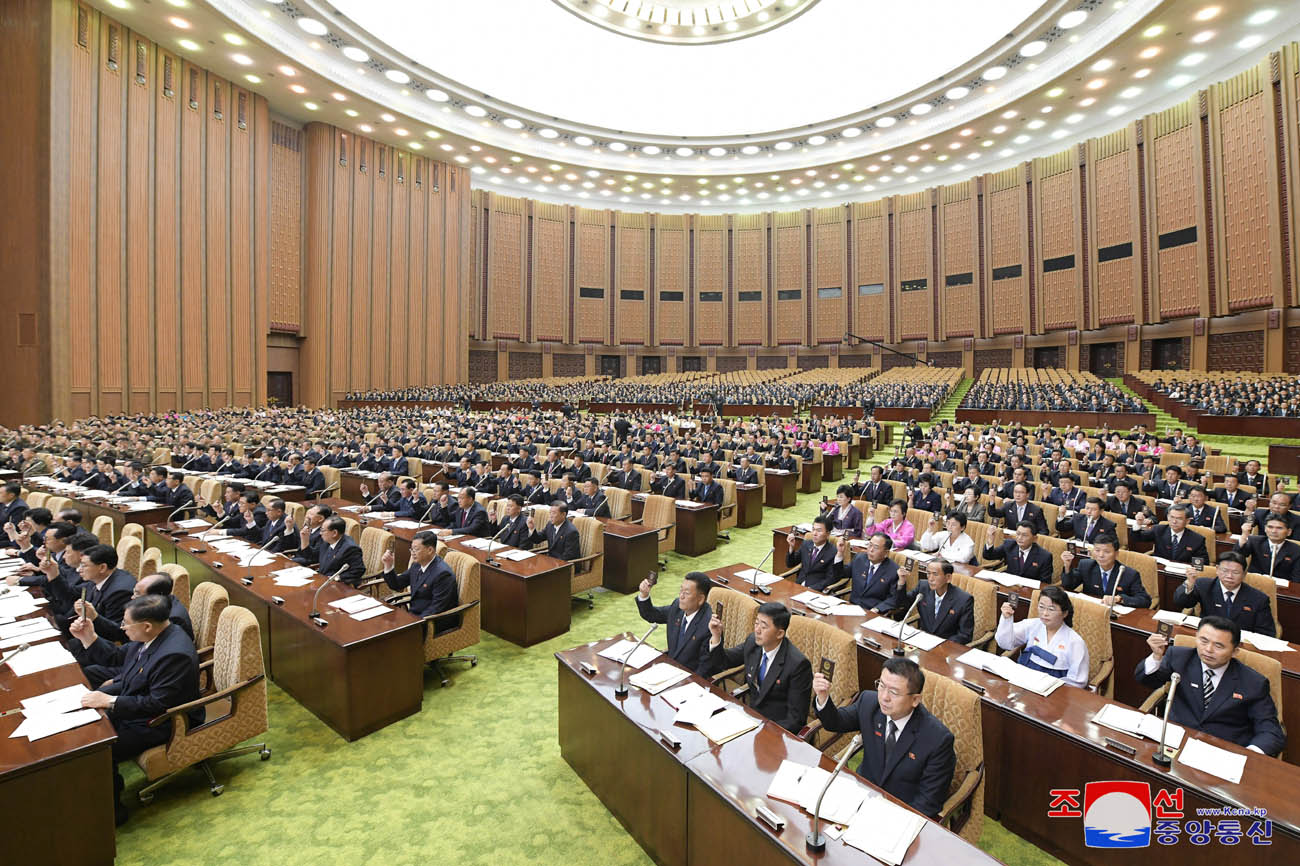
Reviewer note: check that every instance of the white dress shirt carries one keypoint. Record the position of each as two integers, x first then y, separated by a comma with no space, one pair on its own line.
955,550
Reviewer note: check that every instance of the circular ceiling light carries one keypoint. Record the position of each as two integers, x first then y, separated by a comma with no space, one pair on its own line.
440,96
1033,49
312,26
1070,20
583,141
233,38
957,92
242,59
512,123
817,140
1263,16
397,76
188,44
287,70
921,108
851,132
652,150
783,145
886,121
387,118
1102,65
617,146
993,73
684,151
750,149
476,111
717,151
547,132
356,55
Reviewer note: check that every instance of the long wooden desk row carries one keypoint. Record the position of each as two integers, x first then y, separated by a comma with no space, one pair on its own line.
57,791
1034,745
696,804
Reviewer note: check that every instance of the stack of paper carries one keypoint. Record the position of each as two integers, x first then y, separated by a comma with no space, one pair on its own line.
405,524
193,523
846,609
1172,567
658,677
686,503
39,657
356,603
1282,582
1176,618
841,801
480,543
621,650
753,575
917,555
1138,724
727,725
913,636
699,708
1120,609
30,631
381,515
1266,643
515,555
17,603
884,830
1004,579
59,701
35,726
785,784
1012,671
1200,755
683,694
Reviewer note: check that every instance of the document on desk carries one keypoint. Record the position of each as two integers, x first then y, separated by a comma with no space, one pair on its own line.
699,709
619,652
32,636
1138,724
293,571
918,555
1003,579
1281,582
686,503
785,784
658,677
356,603
17,604
405,524
193,523
884,830
727,725
23,627
1200,755
1172,567
682,695
36,726
1120,609
516,555
478,543
842,800
370,612
1012,671
753,575
253,559
1176,618
40,657
135,506
1266,643
64,700
845,609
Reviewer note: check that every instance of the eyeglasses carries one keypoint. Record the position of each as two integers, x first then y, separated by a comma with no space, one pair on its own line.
1048,608
892,692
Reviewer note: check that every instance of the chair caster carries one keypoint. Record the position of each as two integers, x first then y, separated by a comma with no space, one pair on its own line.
473,663
264,754
145,798
217,789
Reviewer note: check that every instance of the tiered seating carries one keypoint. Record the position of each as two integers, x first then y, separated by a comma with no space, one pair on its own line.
1047,390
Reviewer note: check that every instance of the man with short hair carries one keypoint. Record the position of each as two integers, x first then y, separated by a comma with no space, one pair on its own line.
687,618
1228,596
387,498
1172,540
1088,525
1218,694
906,750
1020,510
1201,513
707,491
560,535
815,558
1023,555
468,517
945,610
593,502
874,575
107,587
12,508
412,505
1103,576
511,527
160,584
1273,553
429,580
309,537
338,552
778,677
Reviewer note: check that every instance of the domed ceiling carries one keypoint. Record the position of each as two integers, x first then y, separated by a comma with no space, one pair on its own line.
719,105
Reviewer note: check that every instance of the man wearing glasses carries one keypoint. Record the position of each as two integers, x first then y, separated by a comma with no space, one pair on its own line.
906,750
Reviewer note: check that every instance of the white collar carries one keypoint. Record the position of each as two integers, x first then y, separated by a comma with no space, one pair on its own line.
899,724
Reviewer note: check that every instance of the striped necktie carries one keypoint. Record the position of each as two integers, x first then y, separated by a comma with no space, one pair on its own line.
1208,691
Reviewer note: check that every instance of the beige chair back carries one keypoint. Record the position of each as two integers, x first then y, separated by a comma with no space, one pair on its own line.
959,710
591,543
180,581
374,543
466,569
819,640
132,530
129,553
620,502
1269,667
1147,568
660,512
36,499
728,514
151,562
209,600
102,528
738,613
353,529
985,594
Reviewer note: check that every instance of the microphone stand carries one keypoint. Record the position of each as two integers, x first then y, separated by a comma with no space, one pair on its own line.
22,648
204,534
490,561
1161,758
86,480
816,840
756,589
621,690
902,624
189,507
315,611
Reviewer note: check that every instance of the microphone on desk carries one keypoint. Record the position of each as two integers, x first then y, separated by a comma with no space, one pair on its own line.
203,535
190,506
1160,756
222,466
490,561
21,648
266,469
756,589
87,479
188,462
261,550
127,483
321,494
427,511
621,689
816,840
315,611
902,624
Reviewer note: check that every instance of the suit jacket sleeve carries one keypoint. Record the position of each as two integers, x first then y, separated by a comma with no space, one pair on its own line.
798,695
1139,597
936,777
839,719
722,658
1268,736
166,690
1183,598
650,613
572,550
967,629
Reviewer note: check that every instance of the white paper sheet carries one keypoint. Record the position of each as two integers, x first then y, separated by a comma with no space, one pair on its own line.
64,700
1266,643
41,725
355,603
618,652
370,613
658,677
763,578
515,555
785,784
699,708
40,657
884,830
292,581
30,637
24,626
406,524
727,725
1200,755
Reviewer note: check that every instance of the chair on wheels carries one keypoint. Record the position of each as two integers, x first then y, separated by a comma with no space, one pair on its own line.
442,647
660,514
374,543
209,600
236,710
589,567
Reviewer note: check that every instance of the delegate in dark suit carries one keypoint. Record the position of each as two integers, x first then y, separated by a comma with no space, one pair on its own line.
955,619
1127,583
109,600
344,552
1034,563
690,647
1189,545
472,520
919,766
816,567
874,586
1033,515
561,541
1079,524
179,617
1241,709
433,589
1260,554
785,690
1250,608
710,494
516,535
674,487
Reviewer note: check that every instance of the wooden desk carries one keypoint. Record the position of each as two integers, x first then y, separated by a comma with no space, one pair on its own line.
1284,460
356,677
810,476
749,505
695,804
93,508
1288,602
57,791
1034,744
832,467
631,552
697,525
779,487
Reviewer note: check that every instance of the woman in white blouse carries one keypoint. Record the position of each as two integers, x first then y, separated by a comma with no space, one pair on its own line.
1049,644
952,542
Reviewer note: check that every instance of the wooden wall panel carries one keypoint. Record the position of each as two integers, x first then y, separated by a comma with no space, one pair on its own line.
1176,276
829,313
82,109
364,319
136,317
870,255
217,242
671,276
392,322
1008,242
550,301
790,275
1247,216
1056,204
243,322
507,260
439,318
456,273
710,280
110,293
337,299
167,288
955,283
286,228
913,247
591,317
751,319
193,187
416,318
632,319
1117,295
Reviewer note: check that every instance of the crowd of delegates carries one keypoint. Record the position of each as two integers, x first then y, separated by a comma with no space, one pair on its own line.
1054,397
681,393
1274,397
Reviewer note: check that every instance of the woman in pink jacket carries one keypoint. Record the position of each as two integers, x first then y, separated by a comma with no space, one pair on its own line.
897,527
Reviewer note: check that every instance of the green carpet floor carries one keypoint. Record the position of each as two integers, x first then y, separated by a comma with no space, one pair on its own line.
475,778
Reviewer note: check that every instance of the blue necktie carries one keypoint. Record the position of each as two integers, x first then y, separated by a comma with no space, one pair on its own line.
762,669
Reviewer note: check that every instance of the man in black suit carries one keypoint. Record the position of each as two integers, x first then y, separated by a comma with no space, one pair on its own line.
412,503
1279,505
592,501
338,551
1088,525
160,670
1173,540
151,584
532,490
178,495
946,611
1227,595
1231,493
778,678
1218,694
279,535
670,485
428,579
786,462
687,619
707,491
1023,555
874,575
1122,501
815,557
1103,576
560,535
627,478
1172,487
1020,510
512,526
312,478
386,498
107,587
743,473
468,517
906,750
250,518
971,479
1273,553
12,508
309,536
1200,512
579,470
706,462
1252,476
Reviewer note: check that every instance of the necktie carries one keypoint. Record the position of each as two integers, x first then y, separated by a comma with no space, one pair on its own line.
871,574
682,635
762,669
1272,558
1174,539
1105,582
1227,597
891,737
1208,691
937,601
1087,533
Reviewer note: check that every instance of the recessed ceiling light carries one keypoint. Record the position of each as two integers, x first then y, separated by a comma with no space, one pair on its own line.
1148,53
1129,92
476,111
957,92
178,22
1249,41
817,140
547,132
312,26
1071,20
651,150
1116,110
429,133
446,147
242,59
921,108
397,76
1207,13
666,29
120,4
1102,65
350,112
1263,16
188,44
440,96
717,151
1084,103
310,106
583,141
1153,31
1009,113
886,121
783,145
1033,49
253,79
684,151
365,127
287,70
1142,73
297,88
233,39
1096,84
1036,124
180,4
967,132
993,73
1203,37
1055,92
356,55
1020,139
750,149
617,146
999,129
1180,80
1074,118
1046,109
1056,133
1192,59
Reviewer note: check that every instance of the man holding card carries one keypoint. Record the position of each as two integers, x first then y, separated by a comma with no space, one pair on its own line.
687,619
777,675
1218,694
429,580
906,750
